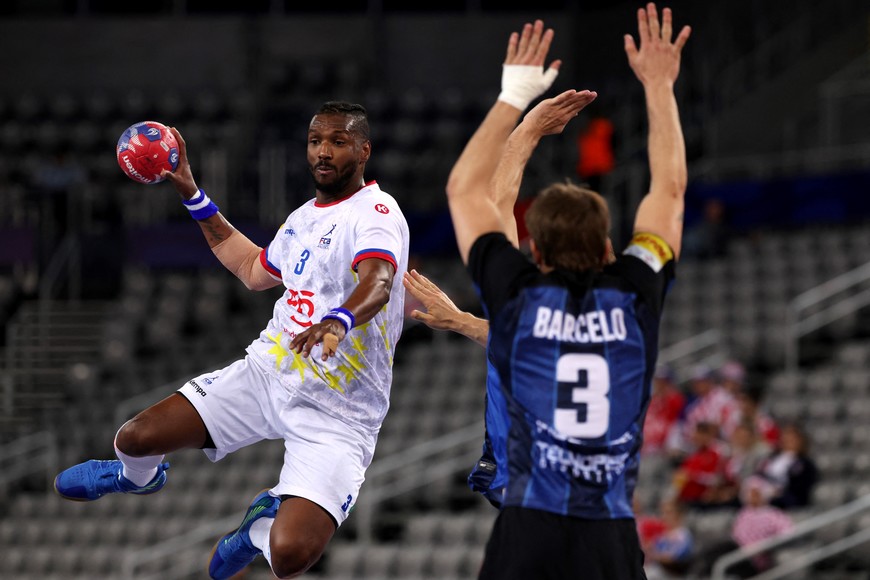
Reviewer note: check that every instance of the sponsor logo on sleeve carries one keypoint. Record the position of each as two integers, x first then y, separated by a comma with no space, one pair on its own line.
381,208
651,249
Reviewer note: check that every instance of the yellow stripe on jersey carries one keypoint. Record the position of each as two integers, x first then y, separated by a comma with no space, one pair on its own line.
651,249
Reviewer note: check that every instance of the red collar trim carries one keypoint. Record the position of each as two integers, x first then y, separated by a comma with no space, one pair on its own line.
368,183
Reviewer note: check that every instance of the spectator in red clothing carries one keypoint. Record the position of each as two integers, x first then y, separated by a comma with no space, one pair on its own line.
697,478
669,554
665,406
595,157
710,404
649,526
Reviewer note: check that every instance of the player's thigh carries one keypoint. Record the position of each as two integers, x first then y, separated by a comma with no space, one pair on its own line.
238,405
164,427
325,458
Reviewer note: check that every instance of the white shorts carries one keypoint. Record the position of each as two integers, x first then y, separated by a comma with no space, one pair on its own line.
325,459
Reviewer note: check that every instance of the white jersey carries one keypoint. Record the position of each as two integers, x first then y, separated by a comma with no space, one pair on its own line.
315,254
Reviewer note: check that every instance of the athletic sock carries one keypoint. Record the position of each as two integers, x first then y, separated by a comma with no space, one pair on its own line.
139,470
259,534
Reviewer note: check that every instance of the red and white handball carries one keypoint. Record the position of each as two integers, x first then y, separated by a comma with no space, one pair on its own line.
145,149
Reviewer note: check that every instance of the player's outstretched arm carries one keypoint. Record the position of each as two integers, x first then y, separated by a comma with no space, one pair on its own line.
475,214
523,80
370,295
234,250
441,313
548,118
657,64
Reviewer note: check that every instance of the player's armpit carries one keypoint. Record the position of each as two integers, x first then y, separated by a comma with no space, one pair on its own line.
240,256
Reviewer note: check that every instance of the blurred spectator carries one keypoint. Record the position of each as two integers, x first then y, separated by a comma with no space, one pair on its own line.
697,478
746,452
595,157
749,405
790,469
665,406
756,521
708,238
710,403
649,526
669,554
732,376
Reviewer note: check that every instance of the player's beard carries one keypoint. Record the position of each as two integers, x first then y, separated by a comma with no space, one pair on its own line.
340,181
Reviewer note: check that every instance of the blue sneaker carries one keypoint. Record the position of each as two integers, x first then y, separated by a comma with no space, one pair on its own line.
235,551
93,479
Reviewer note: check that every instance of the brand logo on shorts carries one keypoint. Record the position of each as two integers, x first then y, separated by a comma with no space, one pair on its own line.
210,380
197,388
346,504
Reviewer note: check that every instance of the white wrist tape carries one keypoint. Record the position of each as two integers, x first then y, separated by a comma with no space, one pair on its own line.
523,83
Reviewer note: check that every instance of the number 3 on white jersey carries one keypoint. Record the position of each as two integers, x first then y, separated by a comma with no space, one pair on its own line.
591,392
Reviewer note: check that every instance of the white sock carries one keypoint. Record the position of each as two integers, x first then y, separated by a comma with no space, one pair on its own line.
259,534
139,470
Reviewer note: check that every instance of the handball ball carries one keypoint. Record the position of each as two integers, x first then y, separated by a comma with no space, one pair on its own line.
145,149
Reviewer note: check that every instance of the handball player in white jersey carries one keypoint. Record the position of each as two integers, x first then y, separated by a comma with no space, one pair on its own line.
319,374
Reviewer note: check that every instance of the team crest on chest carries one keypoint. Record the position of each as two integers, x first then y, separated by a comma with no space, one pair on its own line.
325,239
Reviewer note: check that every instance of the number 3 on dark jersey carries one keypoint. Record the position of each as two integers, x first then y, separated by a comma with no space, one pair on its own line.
583,408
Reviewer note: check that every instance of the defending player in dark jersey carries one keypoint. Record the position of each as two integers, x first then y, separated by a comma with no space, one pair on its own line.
573,340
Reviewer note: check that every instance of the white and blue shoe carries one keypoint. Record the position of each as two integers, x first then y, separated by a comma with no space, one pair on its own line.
234,551
93,479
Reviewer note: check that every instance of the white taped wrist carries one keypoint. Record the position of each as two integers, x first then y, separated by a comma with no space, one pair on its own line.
523,83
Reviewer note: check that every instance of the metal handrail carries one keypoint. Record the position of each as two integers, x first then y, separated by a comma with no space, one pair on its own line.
132,405
161,552
28,455
798,325
801,529
417,468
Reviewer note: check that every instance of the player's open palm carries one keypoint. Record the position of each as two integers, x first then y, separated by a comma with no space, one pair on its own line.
182,177
550,116
658,58
441,312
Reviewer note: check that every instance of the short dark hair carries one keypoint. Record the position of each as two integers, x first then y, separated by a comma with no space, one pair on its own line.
359,114
569,225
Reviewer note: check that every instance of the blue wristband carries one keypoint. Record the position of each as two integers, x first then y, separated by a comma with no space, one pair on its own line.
200,206
343,315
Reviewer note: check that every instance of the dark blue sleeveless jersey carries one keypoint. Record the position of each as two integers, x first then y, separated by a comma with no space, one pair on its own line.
573,354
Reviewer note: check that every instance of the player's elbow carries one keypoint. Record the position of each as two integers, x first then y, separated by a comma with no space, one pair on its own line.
457,185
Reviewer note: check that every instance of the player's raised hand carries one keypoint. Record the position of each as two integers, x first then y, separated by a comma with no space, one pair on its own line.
441,313
182,177
550,116
523,76
658,58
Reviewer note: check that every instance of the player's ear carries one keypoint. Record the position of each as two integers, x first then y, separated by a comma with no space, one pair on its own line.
366,151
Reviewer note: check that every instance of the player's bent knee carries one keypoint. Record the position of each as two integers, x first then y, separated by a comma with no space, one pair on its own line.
293,556
135,439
